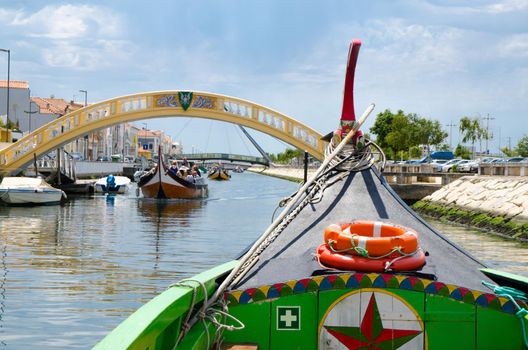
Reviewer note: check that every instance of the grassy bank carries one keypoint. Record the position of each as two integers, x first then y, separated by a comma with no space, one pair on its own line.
494,224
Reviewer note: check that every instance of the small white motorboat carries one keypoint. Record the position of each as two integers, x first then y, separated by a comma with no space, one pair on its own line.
29,190
112,184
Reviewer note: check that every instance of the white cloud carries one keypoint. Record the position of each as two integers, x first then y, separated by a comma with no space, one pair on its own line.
491,7
515,46
71,36
69,22
507,6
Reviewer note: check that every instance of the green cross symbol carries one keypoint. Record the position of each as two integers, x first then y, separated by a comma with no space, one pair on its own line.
288,317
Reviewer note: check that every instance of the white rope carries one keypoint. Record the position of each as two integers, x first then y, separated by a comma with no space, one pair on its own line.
312,186
220,290
185,324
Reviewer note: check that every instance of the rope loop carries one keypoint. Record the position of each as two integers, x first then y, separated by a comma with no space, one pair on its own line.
512,294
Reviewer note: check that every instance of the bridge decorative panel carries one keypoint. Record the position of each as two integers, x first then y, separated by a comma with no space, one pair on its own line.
155,105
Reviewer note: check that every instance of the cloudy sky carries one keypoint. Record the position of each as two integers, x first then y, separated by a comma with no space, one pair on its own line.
439,59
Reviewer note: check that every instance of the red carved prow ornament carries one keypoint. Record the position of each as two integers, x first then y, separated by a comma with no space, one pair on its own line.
348,117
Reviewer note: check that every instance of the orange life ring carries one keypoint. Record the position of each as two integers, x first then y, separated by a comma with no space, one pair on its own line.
372,238
358,263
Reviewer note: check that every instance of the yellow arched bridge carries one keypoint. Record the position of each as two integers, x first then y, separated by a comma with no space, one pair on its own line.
155,105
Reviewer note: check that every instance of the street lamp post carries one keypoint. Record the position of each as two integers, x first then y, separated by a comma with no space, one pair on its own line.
8,71
30,112
85,97
85,92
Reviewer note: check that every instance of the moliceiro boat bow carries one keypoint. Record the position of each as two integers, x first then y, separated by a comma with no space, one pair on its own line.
161,182
428,293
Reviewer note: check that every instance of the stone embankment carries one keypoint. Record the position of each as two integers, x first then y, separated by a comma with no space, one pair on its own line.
495,203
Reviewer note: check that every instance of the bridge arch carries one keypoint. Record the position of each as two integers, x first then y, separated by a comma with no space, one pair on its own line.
155,105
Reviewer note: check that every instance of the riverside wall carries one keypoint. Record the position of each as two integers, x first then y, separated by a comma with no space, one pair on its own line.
495,203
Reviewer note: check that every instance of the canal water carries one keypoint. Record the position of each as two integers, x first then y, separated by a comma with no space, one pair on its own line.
69,274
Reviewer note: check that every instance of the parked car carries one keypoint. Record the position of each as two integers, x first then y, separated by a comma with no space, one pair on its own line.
437,164
514,160
468,167
104,159
77,156
445,155
448,166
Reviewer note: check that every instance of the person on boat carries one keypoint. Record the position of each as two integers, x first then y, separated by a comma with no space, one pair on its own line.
183,171
174,167
189,177
110,182
185,162
195,170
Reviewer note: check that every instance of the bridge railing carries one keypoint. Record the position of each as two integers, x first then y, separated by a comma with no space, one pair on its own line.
159,104
224,156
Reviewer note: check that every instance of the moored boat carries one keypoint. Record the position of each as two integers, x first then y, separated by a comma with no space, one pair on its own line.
162,183
278,294
218,173
112,184
29,191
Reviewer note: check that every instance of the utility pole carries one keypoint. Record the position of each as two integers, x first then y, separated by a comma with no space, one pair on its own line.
487,119
85,92
8,81
30,112
450,132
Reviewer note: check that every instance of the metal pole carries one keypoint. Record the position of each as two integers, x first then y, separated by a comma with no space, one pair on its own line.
30,112
8,83
305,166
450,133
35,164
85,92
487,131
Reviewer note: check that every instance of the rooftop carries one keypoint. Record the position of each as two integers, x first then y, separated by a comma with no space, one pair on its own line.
55,105
14,84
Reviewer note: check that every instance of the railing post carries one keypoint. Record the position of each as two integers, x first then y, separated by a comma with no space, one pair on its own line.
305,166
35,164
58,166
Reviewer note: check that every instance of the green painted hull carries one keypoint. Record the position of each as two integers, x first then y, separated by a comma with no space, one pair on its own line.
156,325
336,311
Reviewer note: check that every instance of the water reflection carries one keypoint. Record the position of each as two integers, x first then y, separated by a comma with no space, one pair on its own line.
69,274
165,215
497,253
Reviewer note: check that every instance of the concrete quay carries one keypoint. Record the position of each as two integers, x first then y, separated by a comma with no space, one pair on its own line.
410,187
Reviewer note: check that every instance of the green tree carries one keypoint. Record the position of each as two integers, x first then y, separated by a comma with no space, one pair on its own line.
415,152
508,152
470,129
397,133
462,152
400,137
427,132
522,146
443,147
383,126
287,156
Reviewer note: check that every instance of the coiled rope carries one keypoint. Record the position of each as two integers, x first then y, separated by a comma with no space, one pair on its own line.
311,186
512,294
205,313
